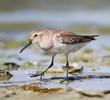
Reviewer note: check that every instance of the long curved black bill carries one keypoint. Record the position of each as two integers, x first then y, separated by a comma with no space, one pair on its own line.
29,43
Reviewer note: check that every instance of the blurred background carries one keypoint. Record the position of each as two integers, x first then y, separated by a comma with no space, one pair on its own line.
83,16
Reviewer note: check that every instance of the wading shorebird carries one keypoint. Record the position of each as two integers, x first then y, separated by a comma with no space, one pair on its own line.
56,42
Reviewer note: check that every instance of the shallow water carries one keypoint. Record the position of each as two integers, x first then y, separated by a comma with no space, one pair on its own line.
49,81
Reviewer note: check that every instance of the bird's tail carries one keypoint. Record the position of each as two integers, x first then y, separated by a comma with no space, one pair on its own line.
91,37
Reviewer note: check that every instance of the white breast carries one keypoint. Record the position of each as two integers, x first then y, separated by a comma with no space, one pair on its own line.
66,48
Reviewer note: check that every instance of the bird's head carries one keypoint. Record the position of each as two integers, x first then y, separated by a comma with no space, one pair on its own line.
35,37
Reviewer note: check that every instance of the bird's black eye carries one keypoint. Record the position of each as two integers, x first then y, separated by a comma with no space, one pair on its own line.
35,35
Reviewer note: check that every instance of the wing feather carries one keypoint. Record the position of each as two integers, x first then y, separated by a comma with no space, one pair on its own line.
72,38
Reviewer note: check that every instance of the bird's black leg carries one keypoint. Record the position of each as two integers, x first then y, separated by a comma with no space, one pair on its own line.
41,74
48,67
67,65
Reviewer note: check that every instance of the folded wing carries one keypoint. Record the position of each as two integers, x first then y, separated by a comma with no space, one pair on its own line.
72,38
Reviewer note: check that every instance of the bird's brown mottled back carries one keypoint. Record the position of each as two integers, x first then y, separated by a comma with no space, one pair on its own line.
72,38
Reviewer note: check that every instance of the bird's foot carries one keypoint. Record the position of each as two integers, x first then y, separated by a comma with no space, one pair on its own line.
38,74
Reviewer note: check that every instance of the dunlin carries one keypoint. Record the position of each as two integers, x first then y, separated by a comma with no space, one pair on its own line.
56,42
